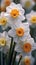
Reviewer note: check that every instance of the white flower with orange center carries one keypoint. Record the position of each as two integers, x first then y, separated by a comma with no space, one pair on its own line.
31,17
15,12
25,47
3,20
27,4
27,60
4,39
19,31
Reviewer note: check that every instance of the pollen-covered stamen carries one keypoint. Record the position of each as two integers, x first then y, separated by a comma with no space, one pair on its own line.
14,13
2,41
33,19
20,32
3,21
27,47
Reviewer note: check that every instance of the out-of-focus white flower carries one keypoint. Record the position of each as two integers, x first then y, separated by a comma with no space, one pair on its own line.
27,60
4,39
19,32
31,17
25,47
27,4
3,20
7,2
4,4
15,12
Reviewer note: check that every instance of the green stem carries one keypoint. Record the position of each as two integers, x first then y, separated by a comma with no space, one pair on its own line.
16,1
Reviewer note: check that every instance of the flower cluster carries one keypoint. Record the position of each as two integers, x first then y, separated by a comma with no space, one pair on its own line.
20,32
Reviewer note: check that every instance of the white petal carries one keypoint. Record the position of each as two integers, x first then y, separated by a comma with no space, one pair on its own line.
12,4
18,48
8,42
11,33
16,39
4,34
22,17
28,16
8,9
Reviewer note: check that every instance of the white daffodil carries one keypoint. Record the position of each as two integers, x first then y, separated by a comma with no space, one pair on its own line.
31,17
3,20
26,47
27,60
27,4
15,12
19,32
4,39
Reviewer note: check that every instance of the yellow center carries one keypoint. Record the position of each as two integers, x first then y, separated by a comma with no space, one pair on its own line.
14,13
20,32
27,61
27,47
2,41
3,21
33,19
27,4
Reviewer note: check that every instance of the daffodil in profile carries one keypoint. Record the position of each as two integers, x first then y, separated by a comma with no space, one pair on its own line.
4,40
3,21
31,17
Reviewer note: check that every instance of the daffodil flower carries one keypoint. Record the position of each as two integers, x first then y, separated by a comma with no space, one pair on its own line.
15,13
4,4
31,17
27,4
27,60
3,21
25,47
4,39
19,32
